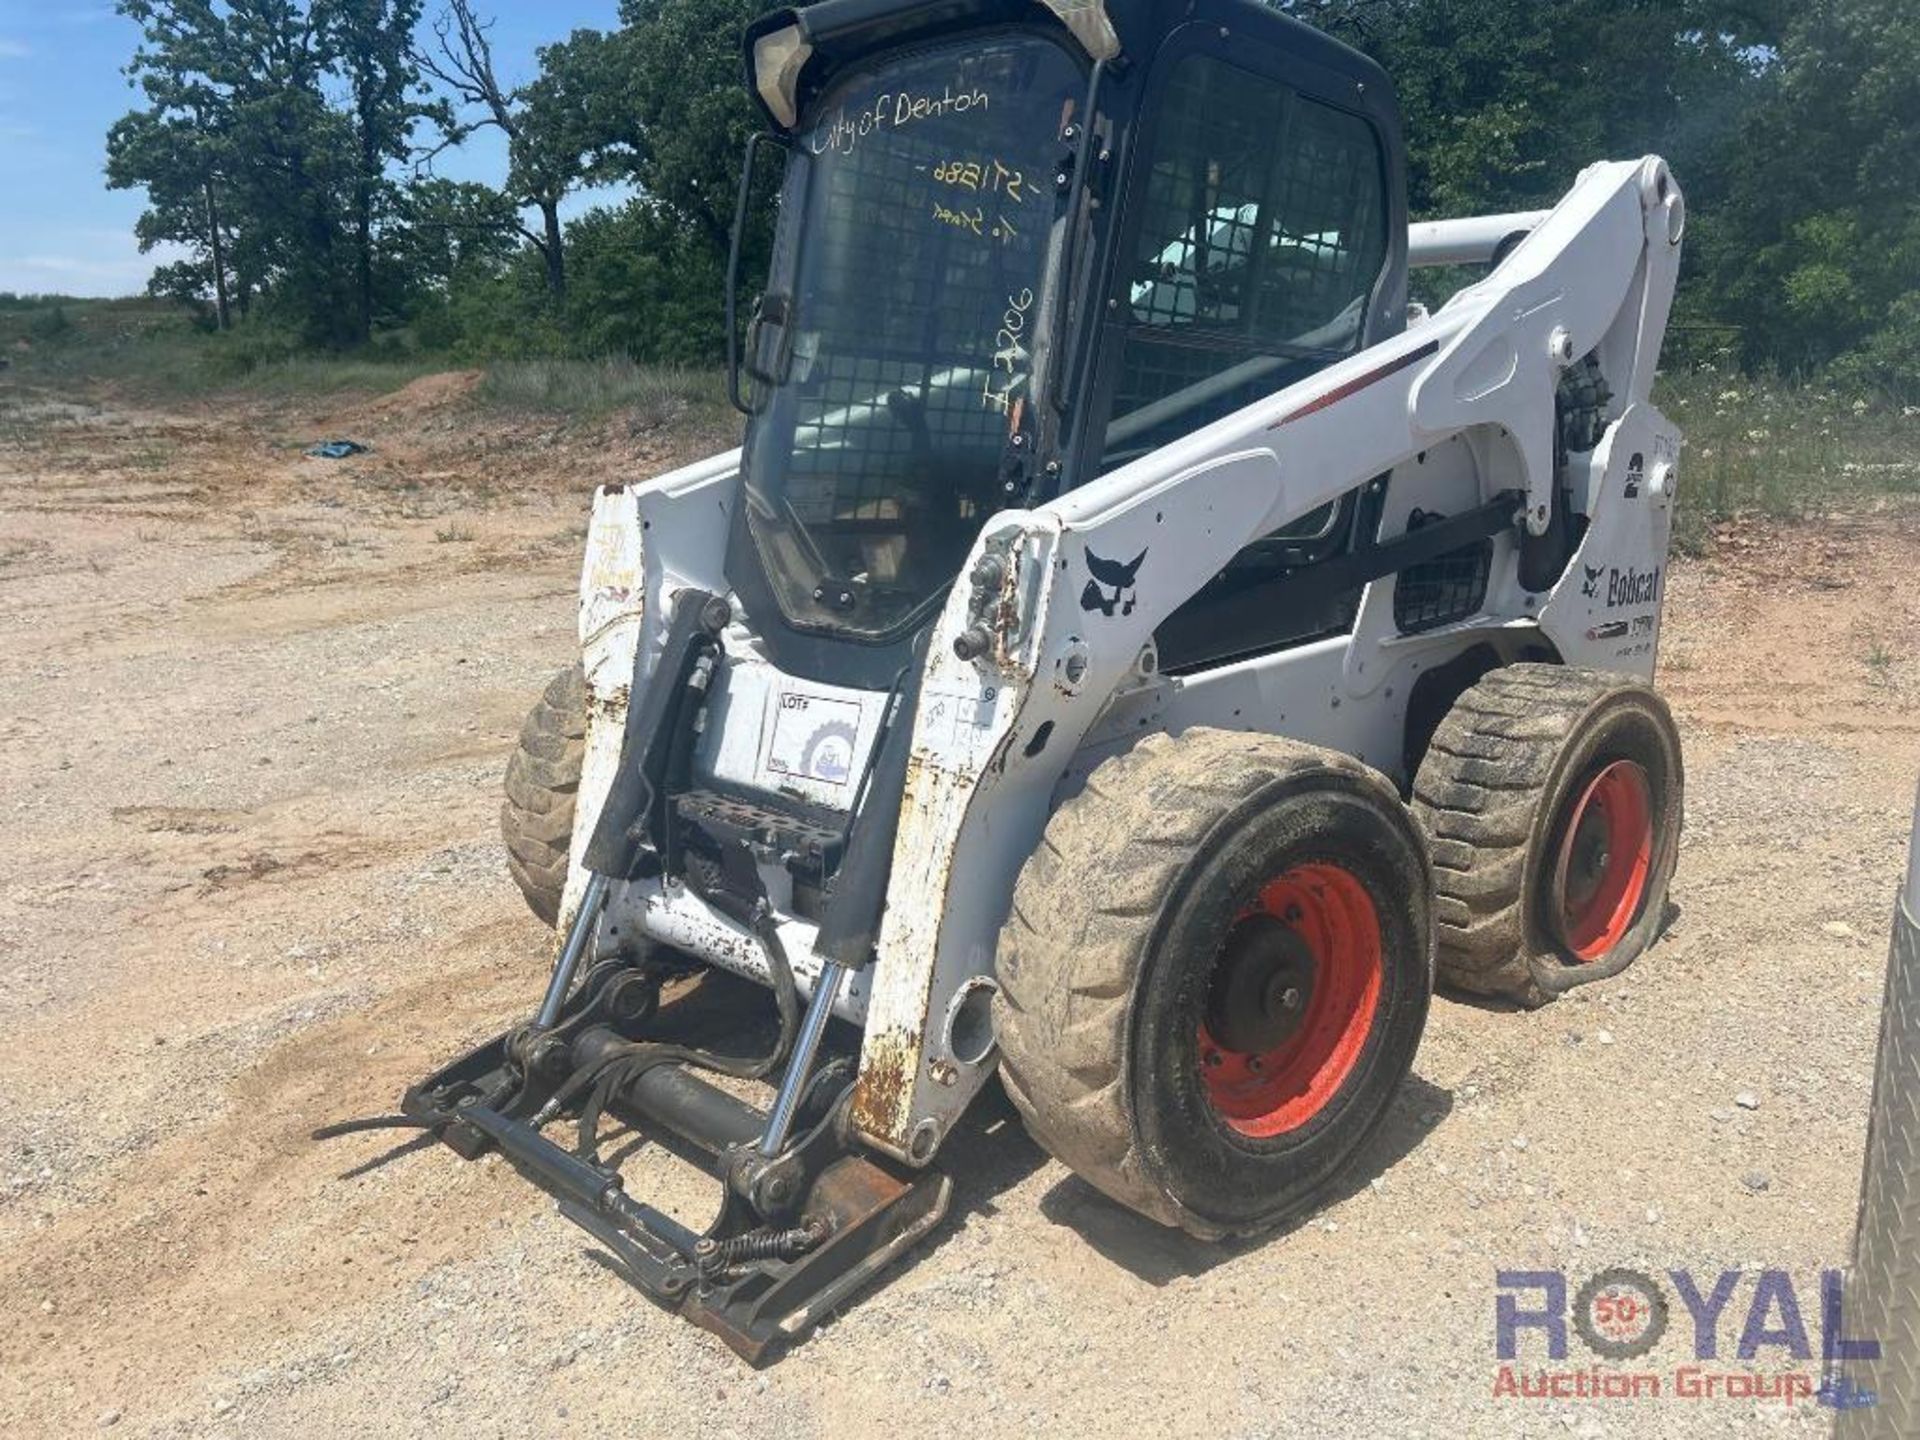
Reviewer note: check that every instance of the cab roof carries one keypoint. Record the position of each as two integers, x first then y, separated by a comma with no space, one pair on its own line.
828,36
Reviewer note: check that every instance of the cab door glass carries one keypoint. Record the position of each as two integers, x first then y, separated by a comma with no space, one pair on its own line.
1261,234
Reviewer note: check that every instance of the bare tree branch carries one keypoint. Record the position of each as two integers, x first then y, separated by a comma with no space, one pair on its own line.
464,65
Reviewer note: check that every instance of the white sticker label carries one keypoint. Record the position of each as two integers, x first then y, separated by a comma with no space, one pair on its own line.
813,737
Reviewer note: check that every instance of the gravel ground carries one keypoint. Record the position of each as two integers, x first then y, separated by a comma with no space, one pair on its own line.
257,707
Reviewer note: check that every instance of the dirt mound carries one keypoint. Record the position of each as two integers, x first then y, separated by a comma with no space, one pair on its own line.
429,392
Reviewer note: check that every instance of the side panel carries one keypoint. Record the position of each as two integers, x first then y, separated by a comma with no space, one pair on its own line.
991,742
968,819
1304,694
1605,613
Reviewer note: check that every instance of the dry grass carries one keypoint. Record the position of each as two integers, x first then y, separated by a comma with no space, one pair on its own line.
149,348
152,347
655,395
1786,451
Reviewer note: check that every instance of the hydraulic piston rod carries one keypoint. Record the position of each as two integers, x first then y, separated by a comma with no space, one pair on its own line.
578,936
800,1067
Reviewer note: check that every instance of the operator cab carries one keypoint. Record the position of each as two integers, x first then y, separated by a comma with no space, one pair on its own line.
1019,245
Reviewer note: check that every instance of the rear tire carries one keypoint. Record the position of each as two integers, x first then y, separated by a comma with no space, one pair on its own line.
1551,798
1183,863
543,780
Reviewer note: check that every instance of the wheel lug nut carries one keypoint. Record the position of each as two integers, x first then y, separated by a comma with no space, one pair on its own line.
1211,1059
1255,1064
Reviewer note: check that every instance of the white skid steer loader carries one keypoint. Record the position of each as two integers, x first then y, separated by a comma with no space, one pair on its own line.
1131,648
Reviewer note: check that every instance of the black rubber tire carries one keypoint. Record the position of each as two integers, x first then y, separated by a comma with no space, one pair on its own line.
543,780
1491,793
1116,920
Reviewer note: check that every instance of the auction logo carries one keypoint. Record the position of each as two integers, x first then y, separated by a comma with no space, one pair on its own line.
1621,1314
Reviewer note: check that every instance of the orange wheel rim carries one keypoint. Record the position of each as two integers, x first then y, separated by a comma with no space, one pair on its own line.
1291,1001
1606,853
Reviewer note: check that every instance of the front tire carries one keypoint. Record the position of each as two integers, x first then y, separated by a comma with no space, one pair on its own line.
543,782
1215,975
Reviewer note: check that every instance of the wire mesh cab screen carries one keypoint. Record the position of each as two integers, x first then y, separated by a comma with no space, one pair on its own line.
912,248
1260,234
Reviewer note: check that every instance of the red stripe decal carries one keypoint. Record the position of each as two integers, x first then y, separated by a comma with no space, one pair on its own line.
1357,384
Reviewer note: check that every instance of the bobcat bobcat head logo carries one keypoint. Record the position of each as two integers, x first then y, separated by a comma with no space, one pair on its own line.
1590,587
1110,575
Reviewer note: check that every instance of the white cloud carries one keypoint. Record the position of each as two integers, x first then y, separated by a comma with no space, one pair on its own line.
76,267
88,262
13,49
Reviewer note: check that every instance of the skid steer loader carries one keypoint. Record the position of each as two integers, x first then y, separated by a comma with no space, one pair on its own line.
1132,645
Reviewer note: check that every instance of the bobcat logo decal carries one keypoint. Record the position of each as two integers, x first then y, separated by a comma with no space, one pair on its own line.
1591,586
1110,575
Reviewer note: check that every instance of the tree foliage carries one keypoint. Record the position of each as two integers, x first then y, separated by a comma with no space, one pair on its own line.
279,191
280,147
541,123
1817,250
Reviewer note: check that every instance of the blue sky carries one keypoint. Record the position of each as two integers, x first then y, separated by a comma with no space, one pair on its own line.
61,86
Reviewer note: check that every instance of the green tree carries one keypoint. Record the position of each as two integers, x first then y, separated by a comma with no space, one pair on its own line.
675,115
645,284
656,105
278,193
449,229
296,154
545,160
1506,100
1818,251
179,159
451,243
371,44
235,93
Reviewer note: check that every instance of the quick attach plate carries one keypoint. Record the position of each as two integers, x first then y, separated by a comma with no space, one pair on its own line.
757,1281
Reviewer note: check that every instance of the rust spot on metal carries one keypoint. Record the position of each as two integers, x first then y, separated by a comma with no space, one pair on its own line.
915,800
880,1099
610,706
997,762
1006,614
